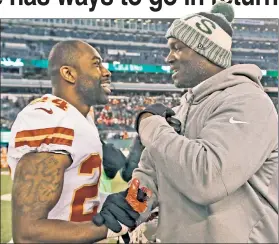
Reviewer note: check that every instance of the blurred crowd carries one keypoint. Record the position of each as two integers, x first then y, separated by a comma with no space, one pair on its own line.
118,115
10,107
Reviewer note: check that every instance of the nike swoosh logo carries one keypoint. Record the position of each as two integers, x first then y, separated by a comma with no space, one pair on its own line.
232,121
49,111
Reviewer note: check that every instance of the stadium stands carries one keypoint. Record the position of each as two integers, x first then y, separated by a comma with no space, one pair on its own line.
129,41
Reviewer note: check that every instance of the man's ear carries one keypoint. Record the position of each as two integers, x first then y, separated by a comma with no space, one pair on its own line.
68,73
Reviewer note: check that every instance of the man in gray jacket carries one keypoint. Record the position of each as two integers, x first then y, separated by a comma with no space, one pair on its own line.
216,182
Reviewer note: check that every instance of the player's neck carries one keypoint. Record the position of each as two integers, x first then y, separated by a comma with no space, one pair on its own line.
82,108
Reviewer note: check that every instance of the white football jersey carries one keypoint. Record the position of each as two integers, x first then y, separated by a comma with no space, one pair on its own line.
50,124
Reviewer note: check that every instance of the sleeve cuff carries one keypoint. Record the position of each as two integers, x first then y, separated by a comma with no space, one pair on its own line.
149,127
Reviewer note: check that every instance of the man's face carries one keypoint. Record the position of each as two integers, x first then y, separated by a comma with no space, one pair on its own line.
187,65
93,79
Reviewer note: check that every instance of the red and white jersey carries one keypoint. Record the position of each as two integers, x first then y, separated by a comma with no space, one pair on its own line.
50,124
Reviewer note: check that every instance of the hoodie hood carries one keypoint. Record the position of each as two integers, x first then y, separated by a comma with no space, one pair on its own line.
229,77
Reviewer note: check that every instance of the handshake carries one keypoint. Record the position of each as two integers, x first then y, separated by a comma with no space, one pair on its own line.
121,211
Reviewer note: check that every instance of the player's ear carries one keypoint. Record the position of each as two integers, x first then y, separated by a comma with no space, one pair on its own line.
68,73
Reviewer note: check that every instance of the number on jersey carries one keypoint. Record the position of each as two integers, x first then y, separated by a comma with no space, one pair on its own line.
57,102
85,192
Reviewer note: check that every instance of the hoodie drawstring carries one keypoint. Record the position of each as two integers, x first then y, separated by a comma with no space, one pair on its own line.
191,100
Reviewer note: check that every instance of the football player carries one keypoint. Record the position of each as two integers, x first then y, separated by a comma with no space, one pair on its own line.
55,154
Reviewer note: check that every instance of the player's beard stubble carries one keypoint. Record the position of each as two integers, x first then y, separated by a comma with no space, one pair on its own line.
90,91
191,73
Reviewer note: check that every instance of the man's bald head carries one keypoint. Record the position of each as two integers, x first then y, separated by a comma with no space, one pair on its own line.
77,73
65,53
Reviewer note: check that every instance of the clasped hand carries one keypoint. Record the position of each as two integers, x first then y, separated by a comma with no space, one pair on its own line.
162,110
123,207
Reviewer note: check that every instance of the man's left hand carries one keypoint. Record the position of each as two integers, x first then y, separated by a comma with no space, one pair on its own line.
162,110
113,159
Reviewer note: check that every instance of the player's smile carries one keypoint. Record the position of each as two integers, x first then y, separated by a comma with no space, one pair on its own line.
105,84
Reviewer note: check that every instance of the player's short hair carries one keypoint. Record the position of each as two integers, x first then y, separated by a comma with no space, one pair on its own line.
63,53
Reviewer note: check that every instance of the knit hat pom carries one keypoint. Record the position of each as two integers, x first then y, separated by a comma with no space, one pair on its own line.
224,9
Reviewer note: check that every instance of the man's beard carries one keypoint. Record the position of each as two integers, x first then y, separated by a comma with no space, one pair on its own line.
87,94
193,75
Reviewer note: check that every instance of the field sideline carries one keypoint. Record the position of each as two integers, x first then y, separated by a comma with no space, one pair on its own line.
6,186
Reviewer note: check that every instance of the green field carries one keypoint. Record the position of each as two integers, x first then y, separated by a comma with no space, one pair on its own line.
6,186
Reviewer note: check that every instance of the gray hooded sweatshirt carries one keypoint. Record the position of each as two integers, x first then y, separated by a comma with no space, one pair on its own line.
218,182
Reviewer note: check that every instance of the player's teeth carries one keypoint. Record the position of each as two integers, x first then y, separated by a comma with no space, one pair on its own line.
106,87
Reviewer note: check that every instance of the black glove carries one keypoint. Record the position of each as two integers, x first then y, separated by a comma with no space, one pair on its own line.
175,123
113,159
116,208
162,110
132,159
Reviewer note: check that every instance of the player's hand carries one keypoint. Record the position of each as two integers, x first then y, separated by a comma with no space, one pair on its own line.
116,209
162,110
113,159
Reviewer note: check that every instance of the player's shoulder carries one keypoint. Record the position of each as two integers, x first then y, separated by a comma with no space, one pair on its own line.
44,120
47,107
43,125
45,112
